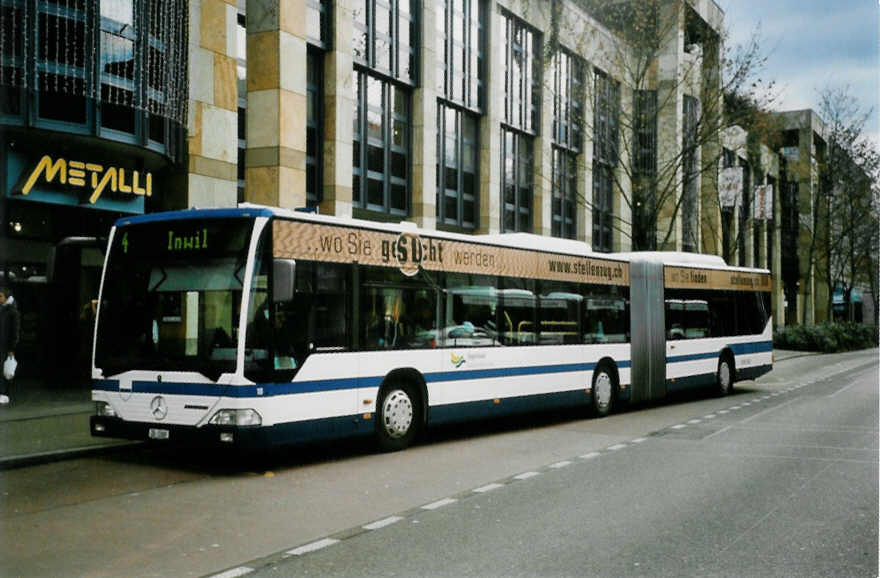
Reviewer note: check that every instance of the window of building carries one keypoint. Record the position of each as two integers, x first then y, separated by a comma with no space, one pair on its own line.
690,175
606,110
385,56
568,95
318,22
564,209
60,50
381,145
522,89
13,26
241,71
744,212
461,52
385,37
644,169
314,126
112,68
458,179
517,156
460,76
521,106
318,38
771,182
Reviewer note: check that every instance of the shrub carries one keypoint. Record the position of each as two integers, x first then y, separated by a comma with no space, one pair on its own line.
826,337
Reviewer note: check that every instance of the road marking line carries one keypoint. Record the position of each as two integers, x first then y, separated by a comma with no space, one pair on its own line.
843,389
382,523
558,465
639,440
312,547
616,447
232,573
746,403
722,430
590,455
488,488
526,475
694,421
724,411
769,409
710,416
679,426
439,504
734,408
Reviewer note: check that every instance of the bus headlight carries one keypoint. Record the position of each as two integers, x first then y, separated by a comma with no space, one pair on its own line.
104,409
239,417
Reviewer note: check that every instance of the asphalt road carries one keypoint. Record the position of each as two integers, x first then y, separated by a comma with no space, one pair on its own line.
779,479
783,486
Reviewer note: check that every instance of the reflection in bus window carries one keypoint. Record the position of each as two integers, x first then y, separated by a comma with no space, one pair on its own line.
518,311
605,314
470,311
319,317
397,312
559,313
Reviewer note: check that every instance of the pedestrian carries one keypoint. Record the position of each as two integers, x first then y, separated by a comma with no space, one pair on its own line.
10,324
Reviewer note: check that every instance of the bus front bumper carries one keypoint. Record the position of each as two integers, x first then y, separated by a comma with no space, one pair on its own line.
236,436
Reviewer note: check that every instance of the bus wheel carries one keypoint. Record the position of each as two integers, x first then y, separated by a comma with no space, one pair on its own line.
397,419
604,388
724,377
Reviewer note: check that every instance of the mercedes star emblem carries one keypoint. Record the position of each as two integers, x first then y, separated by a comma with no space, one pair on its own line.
159,408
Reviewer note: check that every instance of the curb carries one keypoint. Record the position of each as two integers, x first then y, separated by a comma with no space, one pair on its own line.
13,462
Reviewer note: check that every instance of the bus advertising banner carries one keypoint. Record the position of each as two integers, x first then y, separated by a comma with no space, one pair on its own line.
409,252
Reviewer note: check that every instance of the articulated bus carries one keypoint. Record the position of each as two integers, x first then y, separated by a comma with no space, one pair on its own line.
259,327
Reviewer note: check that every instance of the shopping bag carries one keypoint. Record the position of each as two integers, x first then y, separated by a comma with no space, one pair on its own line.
9,367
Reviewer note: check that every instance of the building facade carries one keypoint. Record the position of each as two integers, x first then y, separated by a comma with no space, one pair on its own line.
477,116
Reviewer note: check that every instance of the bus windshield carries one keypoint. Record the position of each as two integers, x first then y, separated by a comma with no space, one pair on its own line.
172,296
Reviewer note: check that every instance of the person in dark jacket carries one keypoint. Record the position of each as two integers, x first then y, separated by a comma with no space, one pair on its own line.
10,326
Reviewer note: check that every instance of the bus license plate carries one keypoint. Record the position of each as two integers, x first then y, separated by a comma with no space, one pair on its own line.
158,434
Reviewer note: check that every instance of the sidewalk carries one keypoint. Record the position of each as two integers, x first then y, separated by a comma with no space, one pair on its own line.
46,422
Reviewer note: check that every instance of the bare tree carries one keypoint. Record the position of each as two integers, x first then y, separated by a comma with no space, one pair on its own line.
849,181
661,183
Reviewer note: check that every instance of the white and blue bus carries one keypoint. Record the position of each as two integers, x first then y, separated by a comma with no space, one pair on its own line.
259,327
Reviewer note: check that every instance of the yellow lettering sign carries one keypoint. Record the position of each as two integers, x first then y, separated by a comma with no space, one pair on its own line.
75,173
51,170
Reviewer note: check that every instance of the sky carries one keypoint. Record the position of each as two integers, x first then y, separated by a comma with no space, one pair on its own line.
814,44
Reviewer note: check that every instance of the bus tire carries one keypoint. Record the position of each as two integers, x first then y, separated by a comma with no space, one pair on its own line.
397,416
725,375
604,389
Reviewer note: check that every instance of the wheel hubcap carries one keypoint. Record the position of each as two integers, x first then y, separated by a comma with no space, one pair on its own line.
602,390
397,413
724,375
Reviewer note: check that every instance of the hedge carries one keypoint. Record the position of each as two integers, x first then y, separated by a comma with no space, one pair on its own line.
826,337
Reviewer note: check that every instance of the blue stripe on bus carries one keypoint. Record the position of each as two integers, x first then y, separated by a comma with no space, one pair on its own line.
737,348
271,389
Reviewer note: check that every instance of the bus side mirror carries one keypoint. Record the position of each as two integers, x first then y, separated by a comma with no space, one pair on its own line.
283,284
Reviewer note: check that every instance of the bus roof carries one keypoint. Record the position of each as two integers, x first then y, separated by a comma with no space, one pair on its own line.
683,259
513,240
216,213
